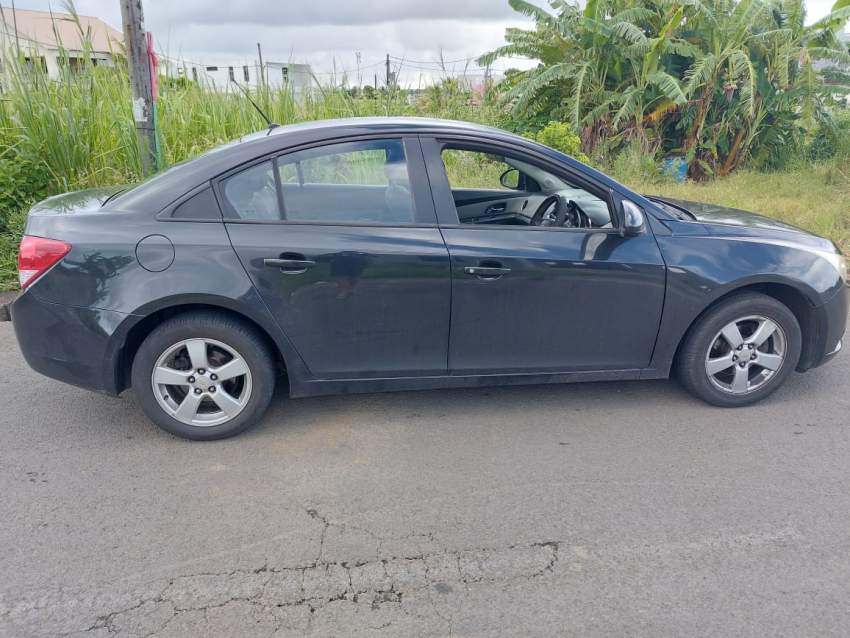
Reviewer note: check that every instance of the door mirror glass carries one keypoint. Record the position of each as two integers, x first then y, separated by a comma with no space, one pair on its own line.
633,219
510,179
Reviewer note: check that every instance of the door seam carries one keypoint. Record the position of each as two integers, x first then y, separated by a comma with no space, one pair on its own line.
448,253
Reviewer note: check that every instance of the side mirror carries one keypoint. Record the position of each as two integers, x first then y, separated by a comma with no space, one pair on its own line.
510,179
634,222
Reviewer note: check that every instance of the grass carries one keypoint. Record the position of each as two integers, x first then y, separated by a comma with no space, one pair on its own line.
815,197
77,133
9,241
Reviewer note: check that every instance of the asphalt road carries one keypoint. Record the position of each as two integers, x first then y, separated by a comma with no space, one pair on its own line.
612,509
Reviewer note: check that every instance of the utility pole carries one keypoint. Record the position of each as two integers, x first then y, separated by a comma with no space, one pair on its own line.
262,66
388,71
138,62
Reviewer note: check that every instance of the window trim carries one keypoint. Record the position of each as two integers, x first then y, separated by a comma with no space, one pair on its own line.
423,204
224,204
433,146
165,215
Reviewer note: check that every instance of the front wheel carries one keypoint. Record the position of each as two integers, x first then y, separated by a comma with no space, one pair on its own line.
741,351
203,376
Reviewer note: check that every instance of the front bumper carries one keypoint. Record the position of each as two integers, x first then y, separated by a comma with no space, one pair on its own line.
67,343
826,331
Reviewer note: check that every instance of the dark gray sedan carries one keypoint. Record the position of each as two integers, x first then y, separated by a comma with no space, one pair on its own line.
365,255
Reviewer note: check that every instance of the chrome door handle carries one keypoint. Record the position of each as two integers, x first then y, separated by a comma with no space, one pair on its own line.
290,266
486,272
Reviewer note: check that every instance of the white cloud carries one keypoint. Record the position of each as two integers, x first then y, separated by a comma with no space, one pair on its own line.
328,33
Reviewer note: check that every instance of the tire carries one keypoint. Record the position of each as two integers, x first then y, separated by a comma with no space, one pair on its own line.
214,407
766,366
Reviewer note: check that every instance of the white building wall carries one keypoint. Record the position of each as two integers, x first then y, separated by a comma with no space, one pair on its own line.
216,77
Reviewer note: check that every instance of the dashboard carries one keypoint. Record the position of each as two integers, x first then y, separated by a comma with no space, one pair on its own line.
516,208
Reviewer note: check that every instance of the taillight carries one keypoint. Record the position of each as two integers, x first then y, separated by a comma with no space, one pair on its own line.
37,255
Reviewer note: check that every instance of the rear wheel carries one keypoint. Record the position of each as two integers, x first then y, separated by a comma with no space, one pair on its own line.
740,351
203,376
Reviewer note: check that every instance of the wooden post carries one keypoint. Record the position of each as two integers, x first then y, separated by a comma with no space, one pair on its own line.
262,66
140,81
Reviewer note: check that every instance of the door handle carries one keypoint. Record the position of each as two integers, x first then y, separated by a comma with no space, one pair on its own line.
496,208
290,266
486,272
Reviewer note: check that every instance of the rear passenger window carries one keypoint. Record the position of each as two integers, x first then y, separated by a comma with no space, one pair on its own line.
201,205
352,182
252,194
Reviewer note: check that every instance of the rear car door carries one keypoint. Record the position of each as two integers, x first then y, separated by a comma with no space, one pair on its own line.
342,243
531,298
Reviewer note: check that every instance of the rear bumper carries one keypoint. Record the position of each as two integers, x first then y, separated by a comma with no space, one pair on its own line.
67,343
828,326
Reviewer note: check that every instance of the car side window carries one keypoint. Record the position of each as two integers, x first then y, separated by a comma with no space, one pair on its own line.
470,169
252,194
351,182
494,189
200,206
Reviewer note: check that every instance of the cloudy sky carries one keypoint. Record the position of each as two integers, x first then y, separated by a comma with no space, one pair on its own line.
328,33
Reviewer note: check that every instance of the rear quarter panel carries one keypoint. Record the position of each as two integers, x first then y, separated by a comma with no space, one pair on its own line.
102,272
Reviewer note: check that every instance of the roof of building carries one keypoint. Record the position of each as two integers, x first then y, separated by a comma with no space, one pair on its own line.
53,29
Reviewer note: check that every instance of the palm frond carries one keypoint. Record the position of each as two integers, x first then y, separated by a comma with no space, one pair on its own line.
669,86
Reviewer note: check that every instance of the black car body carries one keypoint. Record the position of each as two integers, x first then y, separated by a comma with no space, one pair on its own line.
454,287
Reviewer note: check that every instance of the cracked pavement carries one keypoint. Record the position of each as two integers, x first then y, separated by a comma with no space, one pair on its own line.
582,510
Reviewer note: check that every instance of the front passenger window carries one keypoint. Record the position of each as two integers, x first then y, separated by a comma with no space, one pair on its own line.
496,190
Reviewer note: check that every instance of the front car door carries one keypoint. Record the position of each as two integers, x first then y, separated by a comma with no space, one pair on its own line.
342,243
532,294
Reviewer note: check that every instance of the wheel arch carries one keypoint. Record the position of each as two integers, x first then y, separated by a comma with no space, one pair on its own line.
128,341
796,300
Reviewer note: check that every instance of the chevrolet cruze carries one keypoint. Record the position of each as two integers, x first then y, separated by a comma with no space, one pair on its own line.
366,255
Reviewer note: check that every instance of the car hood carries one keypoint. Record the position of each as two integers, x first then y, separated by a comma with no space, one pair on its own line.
733,222
714,214
84,201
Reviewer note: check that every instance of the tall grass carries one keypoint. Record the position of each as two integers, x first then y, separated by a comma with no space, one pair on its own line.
78,132
815,197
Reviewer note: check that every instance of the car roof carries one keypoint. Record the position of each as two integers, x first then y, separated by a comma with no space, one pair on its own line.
377,125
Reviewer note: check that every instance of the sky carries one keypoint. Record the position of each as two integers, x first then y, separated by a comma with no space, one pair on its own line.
330,34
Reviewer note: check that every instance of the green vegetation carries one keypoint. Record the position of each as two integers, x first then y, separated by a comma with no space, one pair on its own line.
812,196
720,82
561,137
728,85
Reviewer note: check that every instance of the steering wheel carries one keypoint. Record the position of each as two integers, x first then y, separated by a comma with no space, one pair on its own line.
557,211
576,216
543,216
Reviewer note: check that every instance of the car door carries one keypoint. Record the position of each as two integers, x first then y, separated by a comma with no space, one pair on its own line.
342,243
542,298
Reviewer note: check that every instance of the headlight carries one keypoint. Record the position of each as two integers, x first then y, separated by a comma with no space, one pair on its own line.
838,261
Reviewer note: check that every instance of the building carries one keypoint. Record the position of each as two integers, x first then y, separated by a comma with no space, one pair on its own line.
299,77
44,36
221,77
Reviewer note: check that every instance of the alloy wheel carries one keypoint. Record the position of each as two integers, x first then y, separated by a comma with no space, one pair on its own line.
745,354
201,382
